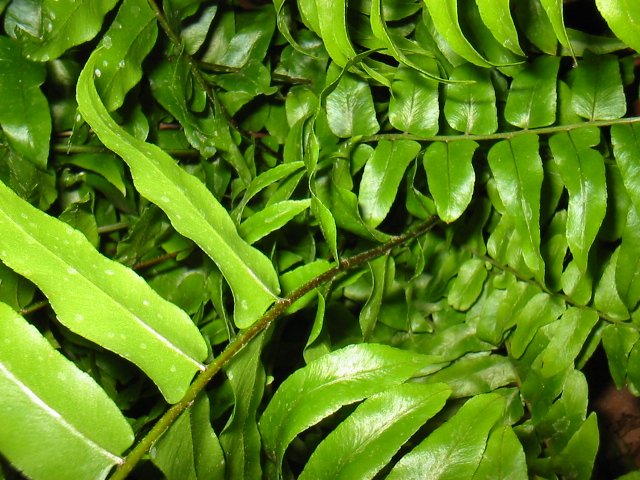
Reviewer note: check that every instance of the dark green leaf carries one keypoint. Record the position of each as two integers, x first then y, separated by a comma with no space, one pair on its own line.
414,103
597,89
627,267
24,110
471,107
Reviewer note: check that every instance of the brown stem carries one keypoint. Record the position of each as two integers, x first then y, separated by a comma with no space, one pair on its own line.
245,336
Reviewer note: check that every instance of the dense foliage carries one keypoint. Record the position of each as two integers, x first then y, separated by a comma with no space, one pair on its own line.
315,239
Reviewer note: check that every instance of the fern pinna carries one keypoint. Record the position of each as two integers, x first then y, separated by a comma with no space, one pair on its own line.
315,239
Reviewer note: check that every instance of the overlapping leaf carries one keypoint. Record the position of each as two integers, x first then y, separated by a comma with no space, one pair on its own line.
193,210
99,298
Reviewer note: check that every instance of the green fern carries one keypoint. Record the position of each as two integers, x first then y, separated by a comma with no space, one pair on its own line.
314,239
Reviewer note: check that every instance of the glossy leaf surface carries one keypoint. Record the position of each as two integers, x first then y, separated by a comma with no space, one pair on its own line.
597,90
336,379
86,291
375,431
471,107
183,197
450,176
582,170
24,110
454,450
414,103
49,405
382,176
517,168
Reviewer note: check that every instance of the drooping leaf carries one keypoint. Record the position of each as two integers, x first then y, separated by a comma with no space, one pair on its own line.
190,449
65,24
382,176
350,109
618,340
99,298
497,17
445,18
554,10
627,267
517,168
471,107
583,173
240,438
128,41
597,89
626,147
24,110
606,297
535,23
193,210
454,450
623,17
369,313
324,385
450,176
532,97
414,103
51,407
363,443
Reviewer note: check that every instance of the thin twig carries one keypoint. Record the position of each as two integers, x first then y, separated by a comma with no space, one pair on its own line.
249,334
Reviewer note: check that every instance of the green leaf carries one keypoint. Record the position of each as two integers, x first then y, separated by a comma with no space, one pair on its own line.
369,313
339,378
298,277
476,373
618,340
535,23
468,284
445,18
623,18
532,97
577,459
50,407
583,173
366,441
184,198
270,219
626,147
517,168
126,44
350,109
250,42
628,265
503,458
606,297
24,110
240,438
597,89
570,334
471,107
554,11
65,24
450,176
99,298
454,450
382,176
539,311
496,16
414,103
189,449
106,164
